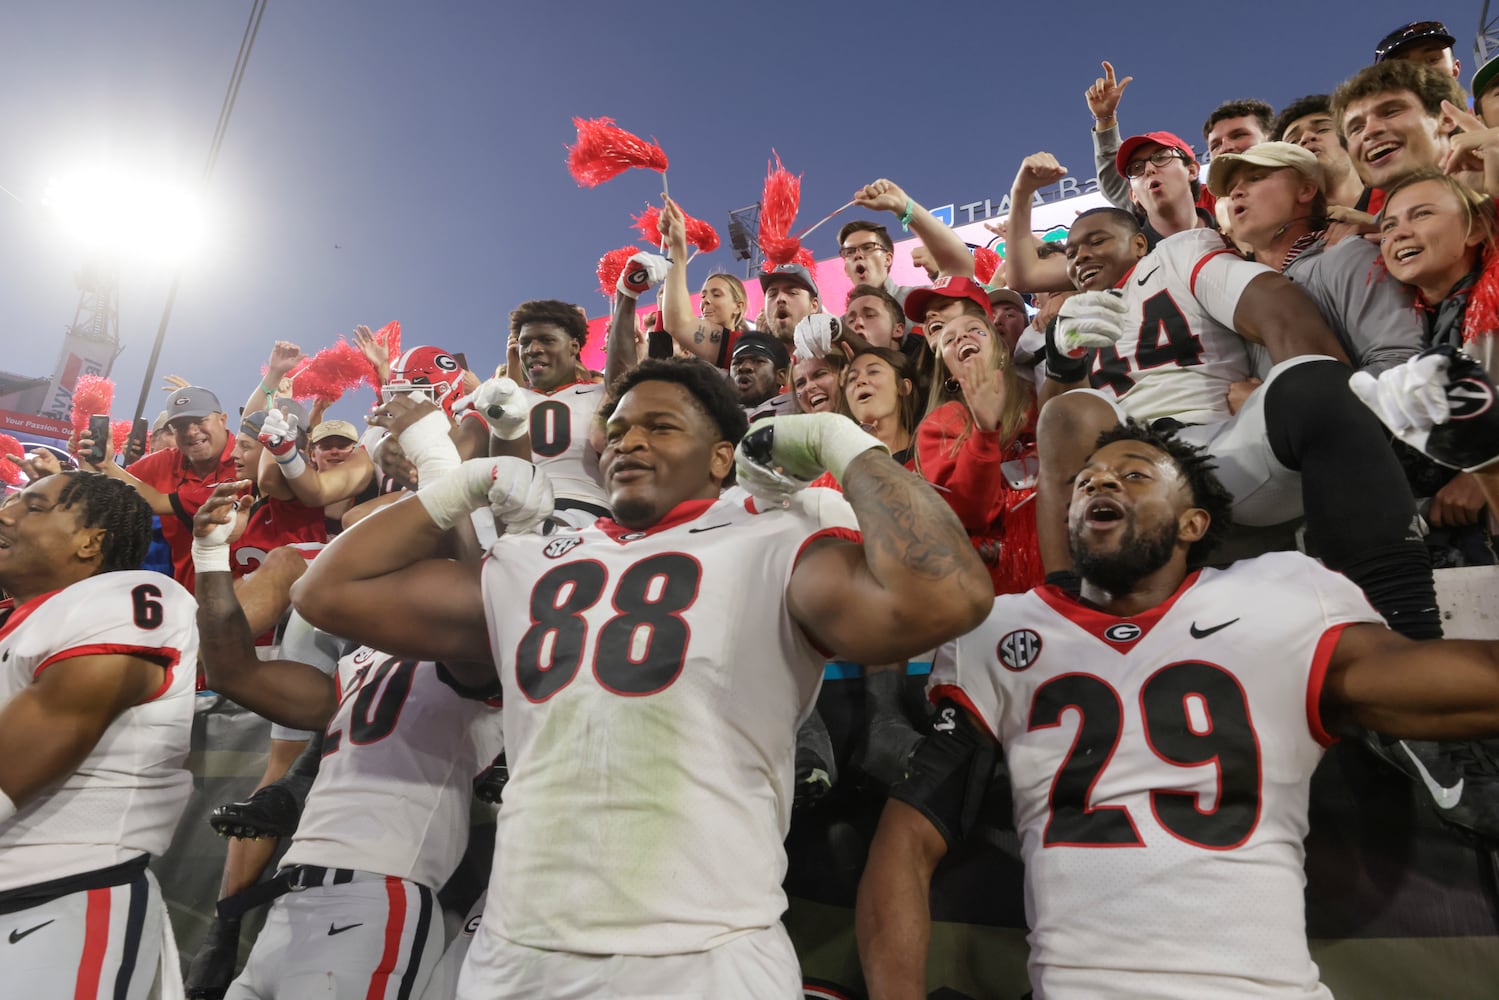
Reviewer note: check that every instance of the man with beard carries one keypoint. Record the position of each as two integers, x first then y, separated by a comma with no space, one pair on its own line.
759,372
790,297
1160,730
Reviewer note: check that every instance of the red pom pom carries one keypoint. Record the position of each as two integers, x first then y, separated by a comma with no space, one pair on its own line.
611,266
119,435
804,258
699,233
778,205
93,394
604,151
332,372
10,472
985,263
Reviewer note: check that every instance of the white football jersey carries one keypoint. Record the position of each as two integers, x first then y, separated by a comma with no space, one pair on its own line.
1161,766
654,681
124,800
392,793
1179,353
559,440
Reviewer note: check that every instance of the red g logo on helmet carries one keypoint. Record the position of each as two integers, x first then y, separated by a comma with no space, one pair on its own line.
429,372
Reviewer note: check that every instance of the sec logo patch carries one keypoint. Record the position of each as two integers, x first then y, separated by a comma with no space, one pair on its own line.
1123,632
559,547
1019,649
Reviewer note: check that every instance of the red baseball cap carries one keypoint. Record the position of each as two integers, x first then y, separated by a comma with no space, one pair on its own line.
918,299
1128,146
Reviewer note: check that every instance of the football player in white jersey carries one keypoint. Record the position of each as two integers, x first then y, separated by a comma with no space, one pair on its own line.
1160,733
96,708
550,336
386,820
655,667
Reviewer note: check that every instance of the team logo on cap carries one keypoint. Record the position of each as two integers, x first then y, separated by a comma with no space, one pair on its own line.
181,401
1019,649
559,547
1123,632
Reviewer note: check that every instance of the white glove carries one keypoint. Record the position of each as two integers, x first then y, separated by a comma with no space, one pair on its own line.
1089,320
279,435
1408,397
814,336
642,272
427,445
780,455
1441,403
503,406
518,493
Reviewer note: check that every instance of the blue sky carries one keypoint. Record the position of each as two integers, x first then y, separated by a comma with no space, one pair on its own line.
406,161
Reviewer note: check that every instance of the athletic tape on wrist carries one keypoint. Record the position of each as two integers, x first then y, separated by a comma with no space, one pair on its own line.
210,557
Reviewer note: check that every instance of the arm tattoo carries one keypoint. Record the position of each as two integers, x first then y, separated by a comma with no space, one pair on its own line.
906,525
698,336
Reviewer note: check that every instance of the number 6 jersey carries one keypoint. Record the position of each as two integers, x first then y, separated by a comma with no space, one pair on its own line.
1161,766
124,800
654,681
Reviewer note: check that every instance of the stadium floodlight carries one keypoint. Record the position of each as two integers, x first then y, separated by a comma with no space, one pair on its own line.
134,217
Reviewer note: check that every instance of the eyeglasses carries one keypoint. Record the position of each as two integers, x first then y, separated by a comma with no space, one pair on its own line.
1134,168
864,249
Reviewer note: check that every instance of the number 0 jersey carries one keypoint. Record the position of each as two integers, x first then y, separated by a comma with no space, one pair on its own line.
654,681
1180,353
124,800
1161,766
392,793
559,441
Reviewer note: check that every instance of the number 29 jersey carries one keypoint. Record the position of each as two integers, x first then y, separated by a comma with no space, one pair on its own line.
1161,767
653,683
126,796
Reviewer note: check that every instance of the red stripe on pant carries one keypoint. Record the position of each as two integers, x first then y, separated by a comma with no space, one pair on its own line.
395,890
95,944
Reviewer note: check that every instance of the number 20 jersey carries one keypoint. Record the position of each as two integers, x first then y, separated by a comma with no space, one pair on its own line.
1179,352
124,800
653,684
400,754
1161,766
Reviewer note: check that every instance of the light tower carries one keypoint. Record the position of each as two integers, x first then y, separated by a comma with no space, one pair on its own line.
1486,43
93,338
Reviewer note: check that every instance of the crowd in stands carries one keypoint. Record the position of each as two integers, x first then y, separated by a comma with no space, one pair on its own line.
1226,303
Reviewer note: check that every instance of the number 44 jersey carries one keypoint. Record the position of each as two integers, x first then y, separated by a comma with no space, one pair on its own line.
1161,765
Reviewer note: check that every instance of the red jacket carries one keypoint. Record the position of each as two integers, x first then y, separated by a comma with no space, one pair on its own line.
963,462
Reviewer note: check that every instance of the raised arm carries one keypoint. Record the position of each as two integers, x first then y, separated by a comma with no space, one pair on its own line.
703,339
161,503
288,693
949,252
619,349
1025,269
1103,100
284,357
913,583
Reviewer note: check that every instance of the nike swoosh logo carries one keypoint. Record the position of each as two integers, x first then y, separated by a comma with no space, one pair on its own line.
1203,633
16,936
1141,281
1445,798
693,531
339,930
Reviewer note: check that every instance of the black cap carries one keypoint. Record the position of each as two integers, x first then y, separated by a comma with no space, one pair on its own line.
763,344
1416,31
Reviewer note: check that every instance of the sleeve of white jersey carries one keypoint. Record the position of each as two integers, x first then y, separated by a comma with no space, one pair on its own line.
961,673
140,614
1342,604
1215,274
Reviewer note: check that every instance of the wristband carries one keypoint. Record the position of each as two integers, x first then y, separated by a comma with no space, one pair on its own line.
427,444
209,556
7,807
293,465
1060,367
460,491
905,220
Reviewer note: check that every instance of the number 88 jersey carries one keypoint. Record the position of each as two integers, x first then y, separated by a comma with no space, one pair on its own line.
654,681
1161,766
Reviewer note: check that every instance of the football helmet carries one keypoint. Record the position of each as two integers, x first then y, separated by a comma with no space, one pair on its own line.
429,372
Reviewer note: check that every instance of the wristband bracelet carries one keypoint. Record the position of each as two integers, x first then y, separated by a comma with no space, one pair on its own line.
905,220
